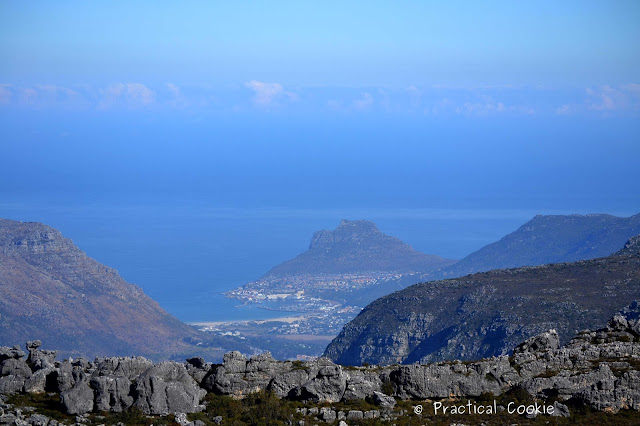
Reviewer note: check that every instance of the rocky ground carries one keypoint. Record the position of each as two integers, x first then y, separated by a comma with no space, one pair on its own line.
598,373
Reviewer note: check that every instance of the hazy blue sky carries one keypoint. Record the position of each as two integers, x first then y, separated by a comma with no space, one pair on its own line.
329,43
201,143
405,104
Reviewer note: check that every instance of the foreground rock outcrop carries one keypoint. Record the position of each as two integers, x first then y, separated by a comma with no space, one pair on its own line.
598,368
107,384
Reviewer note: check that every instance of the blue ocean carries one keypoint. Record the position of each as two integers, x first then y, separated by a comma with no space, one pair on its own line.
188,209
186,255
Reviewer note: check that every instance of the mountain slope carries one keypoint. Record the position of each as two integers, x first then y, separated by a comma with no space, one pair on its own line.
550,239
356,246
52,291
486,314
348,266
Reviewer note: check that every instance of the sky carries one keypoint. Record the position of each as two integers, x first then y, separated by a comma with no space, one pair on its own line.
459,104
294,44
449,123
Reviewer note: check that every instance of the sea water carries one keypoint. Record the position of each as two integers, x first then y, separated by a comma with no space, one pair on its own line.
185,255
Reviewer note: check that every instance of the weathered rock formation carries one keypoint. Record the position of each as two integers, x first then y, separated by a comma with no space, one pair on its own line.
107,384
600,368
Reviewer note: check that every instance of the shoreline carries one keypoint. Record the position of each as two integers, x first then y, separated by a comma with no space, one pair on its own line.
288,319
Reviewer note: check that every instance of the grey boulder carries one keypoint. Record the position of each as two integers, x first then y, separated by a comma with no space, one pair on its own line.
384,401
540,343
560,410
167,388
39,359
14,367
37,382
79,399
112,393
11,384
11,353
122,367
328,385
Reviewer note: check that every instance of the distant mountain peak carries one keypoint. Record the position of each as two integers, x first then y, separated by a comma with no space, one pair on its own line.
31,237
356,246
551,239
360,223
631,248
52,290
349,231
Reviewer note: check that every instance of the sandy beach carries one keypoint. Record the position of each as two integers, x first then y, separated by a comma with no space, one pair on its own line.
280,319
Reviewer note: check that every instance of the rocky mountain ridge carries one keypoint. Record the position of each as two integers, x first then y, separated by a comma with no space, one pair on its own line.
356,246
600,369
342,271
549,239
51,289
486,314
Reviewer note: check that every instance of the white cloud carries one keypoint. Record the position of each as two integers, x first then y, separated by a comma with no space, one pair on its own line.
603,99
137,92
130,94
42,96
415,94
632,88
264,93
481,106
414,91
28,96
608,99
5,94
335,104
445,104
60,95
564,109
175,90
364,102
179,100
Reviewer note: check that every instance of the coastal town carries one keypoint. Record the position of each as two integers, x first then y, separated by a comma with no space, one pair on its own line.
315,307
308,292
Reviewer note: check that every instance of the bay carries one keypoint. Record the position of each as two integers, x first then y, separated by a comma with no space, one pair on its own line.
186,253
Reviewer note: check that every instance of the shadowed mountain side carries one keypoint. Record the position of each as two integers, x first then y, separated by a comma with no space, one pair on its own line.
356,246
550,239
52,291
486,314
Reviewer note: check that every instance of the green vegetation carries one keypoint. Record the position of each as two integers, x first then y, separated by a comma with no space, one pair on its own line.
266,409
262,408
490,377
132,416
547,373
387,388
298,365
47,404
